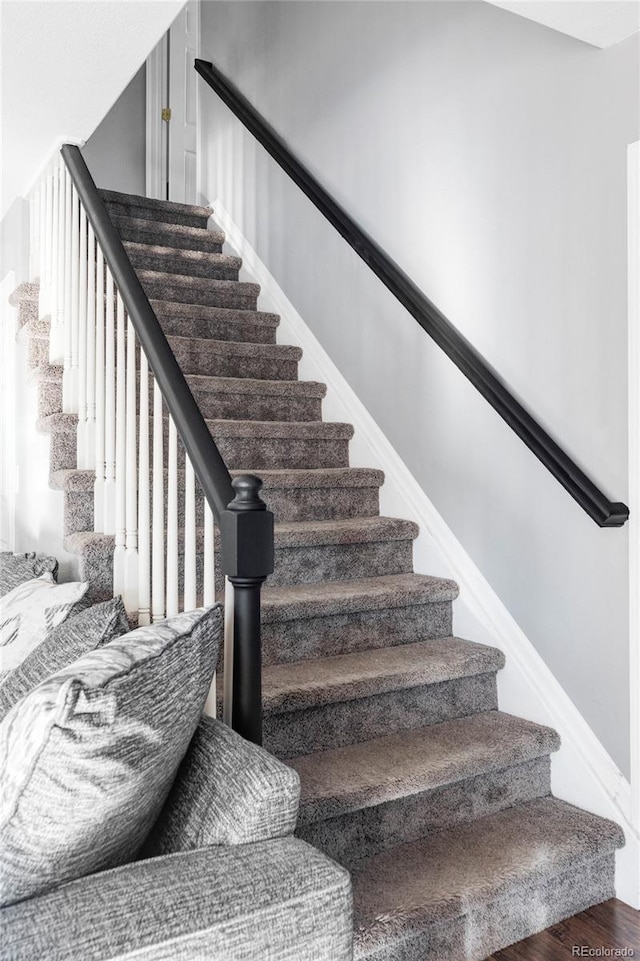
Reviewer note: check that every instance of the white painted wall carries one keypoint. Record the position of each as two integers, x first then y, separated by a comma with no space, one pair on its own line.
115,152
488,156
64,63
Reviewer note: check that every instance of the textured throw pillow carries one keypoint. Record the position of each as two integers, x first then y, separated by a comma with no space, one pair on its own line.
63,645
17,568
89,756
30,611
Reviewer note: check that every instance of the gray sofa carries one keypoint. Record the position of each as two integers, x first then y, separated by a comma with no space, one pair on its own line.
237,886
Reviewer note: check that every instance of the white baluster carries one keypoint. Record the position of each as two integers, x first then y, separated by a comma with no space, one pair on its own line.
190,592
144,518
34,234
57,339
208,577
75,299
99,488
55,216
44,297
130,588
82,339
67,386
172,523
90,379
121,450
157,520
110,410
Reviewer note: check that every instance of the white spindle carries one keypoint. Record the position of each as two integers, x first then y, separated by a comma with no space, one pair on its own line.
130,592
157,521
44,295
75,300
67,386
172,523
190,591
121,450
90,382
56,340
98,490
109,410
34,234
144,518
82,339
55,216
208,577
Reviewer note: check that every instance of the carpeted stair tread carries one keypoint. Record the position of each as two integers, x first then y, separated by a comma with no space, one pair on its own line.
253,385
178,236
192,263
400,892
364,594
294,430
353,530
210,292
222,347
322,477
73,480
345,677
59,421
190,313
167,207
369,773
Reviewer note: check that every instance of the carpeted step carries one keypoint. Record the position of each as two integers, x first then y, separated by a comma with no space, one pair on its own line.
77,487
191,263
324,494
161,285
326,702
257,399
319,620
63,449
224,358
467,891
330,550
251,446
217,323
178,236
95,561
147,208
49,389
359,799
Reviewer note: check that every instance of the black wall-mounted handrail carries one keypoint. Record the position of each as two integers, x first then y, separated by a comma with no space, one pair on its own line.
596,504
246,526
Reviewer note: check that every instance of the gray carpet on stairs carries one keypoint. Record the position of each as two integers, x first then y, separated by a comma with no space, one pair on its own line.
438,803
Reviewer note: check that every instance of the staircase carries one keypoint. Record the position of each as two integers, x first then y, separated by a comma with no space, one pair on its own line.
438,803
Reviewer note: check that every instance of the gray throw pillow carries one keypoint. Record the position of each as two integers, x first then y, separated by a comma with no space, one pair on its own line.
89,756
63,645
17,568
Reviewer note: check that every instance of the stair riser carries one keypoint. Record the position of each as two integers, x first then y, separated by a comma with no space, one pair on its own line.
217,330
151,213
193,359
337,562
226,406
168,238
322,503
505,920
365,832
298,640
178,265
63,450
37,351
349,722
185,294
255,454
49,397
78,512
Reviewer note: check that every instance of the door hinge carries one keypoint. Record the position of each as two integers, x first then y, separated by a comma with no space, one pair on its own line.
166,114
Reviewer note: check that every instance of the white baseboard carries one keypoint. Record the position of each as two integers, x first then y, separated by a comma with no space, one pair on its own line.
582,771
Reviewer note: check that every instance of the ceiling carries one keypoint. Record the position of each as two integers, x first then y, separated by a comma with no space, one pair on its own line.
598,22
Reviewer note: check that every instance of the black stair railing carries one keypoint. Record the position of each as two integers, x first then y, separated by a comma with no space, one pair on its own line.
464,355
245,524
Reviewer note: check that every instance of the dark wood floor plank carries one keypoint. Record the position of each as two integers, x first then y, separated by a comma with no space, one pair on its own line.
608,925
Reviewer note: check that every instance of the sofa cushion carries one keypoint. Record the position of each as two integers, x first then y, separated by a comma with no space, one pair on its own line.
228,791
30,611
17,568
89,756
95,626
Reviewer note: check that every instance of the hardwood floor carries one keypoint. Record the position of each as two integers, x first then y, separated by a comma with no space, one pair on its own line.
612,925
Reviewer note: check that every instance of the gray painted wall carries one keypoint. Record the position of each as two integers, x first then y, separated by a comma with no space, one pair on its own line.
488,155
115,153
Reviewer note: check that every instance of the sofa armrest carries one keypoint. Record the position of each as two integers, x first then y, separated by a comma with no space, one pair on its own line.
227,791
276,900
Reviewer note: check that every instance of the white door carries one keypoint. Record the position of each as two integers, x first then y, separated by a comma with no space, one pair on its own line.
184,46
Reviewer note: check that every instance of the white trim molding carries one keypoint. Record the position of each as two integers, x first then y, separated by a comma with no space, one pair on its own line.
156,129
582,771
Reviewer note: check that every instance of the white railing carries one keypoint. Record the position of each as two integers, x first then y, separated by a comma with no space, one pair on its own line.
145,487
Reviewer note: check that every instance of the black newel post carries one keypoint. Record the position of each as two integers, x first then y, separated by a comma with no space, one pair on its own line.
247,558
